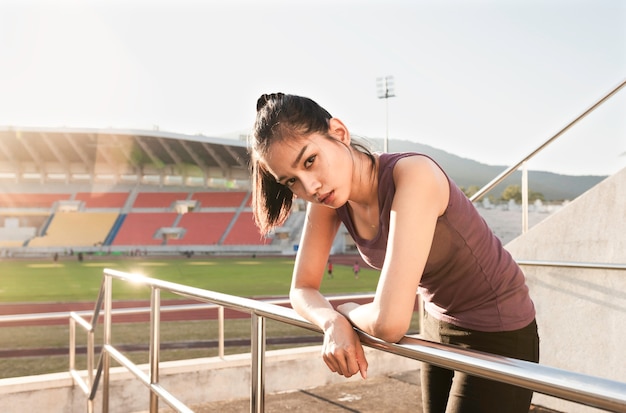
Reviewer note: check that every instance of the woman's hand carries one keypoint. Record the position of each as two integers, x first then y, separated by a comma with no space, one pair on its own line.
342,350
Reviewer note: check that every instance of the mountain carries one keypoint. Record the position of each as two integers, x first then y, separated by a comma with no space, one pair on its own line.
466,172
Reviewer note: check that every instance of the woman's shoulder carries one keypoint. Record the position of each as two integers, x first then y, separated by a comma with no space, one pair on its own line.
417,166
390,160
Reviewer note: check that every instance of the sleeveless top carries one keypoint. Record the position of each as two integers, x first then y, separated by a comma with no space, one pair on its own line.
469,280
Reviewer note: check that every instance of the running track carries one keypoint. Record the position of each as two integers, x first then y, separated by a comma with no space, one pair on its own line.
186,315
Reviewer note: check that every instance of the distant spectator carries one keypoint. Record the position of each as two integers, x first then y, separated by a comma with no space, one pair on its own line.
356,269
330,269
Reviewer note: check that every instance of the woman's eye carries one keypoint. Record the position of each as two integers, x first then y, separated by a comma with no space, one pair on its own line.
309,161
289,182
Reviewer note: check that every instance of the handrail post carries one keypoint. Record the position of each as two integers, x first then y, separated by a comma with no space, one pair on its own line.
72,344
90,366
155,344
106,358
257,398
220,331
524,197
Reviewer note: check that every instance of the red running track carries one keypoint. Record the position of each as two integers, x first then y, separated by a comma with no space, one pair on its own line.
178,315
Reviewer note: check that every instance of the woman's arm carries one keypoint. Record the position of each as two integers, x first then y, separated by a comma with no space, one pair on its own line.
342,350
422,194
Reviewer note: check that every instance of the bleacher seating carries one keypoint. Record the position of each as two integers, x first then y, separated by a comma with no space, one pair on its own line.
219,199
102,199
76,229
140,228
202,228
89,219
158,199
30,200
245,232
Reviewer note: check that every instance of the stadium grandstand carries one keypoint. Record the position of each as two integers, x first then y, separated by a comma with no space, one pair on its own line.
106,191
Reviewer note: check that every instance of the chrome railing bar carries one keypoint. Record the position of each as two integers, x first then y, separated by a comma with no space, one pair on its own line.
72,343
583,389
106,359
524,197
98,306
84,324
567,385
172,401
587,390
94,386
257,396
90,358
155,345
582,265
220,332
515,167
85,386
80,381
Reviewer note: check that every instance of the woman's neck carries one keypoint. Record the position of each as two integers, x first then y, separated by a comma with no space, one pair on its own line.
364,192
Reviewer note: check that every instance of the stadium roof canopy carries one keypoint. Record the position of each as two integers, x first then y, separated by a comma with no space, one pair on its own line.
56,155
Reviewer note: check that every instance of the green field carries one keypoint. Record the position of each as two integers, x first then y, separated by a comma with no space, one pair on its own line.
69,280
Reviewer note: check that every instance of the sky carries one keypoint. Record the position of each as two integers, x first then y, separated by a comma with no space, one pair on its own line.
487,80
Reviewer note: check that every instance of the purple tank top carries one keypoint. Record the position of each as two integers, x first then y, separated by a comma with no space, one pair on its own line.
469,280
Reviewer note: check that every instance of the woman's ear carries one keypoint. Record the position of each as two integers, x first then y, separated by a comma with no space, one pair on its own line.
338,130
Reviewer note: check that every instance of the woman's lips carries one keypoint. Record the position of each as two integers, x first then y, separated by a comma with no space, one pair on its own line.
327,198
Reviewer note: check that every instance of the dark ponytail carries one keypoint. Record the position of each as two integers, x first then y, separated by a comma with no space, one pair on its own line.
280,117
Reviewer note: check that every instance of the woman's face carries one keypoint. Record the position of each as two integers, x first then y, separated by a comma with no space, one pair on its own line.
316,168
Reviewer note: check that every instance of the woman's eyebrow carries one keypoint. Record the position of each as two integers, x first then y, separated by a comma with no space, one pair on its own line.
296,162
300,155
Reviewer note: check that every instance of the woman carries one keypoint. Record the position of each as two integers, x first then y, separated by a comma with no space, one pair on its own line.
409,220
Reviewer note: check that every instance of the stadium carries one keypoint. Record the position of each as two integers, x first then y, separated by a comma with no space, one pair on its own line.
152,191
113,193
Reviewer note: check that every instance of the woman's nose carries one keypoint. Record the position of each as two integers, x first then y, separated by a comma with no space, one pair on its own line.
311,186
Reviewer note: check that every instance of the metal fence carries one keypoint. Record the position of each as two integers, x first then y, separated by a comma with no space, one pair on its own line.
584,389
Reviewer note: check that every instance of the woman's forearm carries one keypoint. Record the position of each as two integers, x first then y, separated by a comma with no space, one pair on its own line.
313,306
371,320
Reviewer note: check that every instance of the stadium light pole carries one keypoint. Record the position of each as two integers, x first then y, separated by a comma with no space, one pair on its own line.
385,88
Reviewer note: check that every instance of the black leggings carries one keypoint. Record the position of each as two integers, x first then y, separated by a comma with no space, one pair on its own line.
447,391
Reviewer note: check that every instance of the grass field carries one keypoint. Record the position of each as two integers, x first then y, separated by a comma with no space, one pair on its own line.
69,280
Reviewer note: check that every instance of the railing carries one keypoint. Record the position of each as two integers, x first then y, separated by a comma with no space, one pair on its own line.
588,390
523,163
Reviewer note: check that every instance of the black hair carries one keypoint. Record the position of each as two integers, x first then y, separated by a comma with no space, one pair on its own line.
281,117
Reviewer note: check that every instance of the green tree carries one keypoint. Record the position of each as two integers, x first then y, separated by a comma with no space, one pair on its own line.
512,192
515,192
470,191
533,196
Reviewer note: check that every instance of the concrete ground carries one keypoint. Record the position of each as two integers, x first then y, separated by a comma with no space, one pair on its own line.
393,394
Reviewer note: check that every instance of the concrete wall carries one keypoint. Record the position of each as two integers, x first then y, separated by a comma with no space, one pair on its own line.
581,313
191,381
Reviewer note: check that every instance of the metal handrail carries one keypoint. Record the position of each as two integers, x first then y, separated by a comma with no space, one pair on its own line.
408,347
502,176
588,390
580,265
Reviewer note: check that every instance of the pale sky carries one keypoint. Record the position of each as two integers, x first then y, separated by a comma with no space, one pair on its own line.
487,80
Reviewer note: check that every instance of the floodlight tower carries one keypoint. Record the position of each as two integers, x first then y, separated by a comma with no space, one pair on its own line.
385,88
